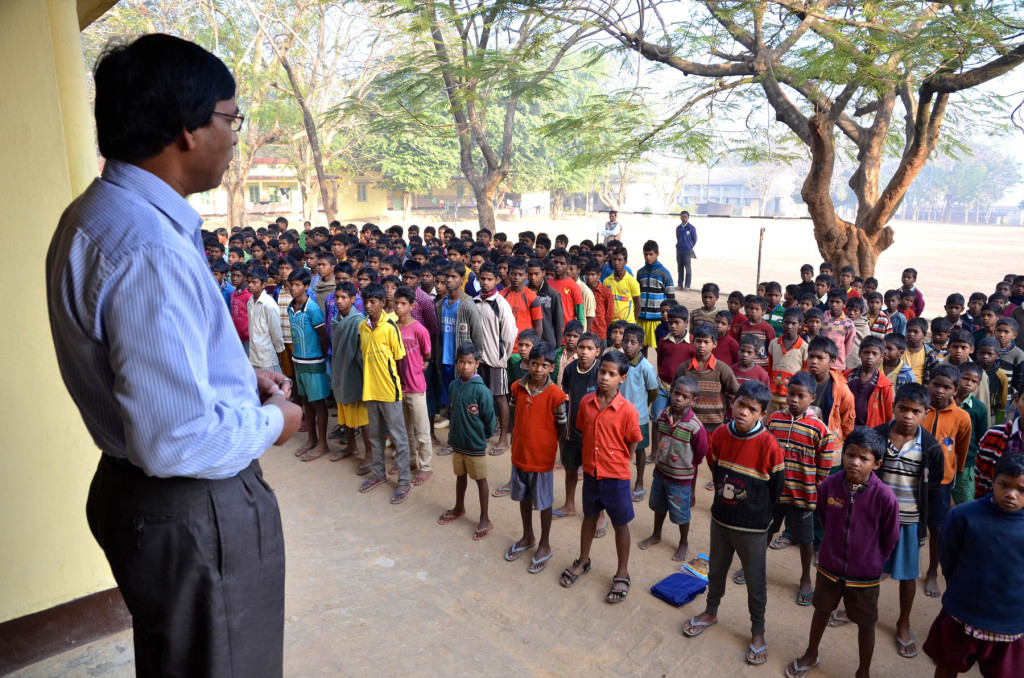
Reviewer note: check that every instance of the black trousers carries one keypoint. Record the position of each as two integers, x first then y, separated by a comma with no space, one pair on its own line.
200,564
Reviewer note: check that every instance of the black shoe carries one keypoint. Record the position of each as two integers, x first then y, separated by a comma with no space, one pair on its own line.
337,432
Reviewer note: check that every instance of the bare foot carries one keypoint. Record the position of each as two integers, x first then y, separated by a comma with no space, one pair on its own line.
680,554
653,540
316,452
304,448
931,586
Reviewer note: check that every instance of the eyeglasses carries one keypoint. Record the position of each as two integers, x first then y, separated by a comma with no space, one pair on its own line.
237,120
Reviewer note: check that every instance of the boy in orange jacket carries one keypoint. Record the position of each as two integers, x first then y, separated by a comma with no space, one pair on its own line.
872,391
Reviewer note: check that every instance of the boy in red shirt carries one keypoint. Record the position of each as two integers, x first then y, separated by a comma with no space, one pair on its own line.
754,326
540,409
611,430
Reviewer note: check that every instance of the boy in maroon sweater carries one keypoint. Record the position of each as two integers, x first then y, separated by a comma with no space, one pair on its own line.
755,327
726,350
860,522
746,368
673,350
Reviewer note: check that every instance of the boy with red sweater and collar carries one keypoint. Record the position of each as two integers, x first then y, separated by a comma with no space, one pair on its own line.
755,326
860,520
748,468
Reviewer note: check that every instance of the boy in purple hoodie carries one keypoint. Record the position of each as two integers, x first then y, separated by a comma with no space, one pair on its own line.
860,522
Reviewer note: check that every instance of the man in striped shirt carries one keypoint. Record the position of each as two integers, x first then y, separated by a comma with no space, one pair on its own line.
808,446
172,402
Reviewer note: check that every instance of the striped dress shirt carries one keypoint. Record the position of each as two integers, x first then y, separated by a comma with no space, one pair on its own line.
160,379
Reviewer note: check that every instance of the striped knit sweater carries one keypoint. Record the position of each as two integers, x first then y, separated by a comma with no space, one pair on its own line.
807,446
748,471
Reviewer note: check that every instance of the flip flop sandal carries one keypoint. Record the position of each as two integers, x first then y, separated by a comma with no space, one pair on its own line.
303,449
901,647
514,552
497,451
449,516
696,627
502,491
401,495
371,483
421,478
445,451
555,514
363,470
616,595
309,456
835,620
338,455
568,578
601,531
537,566
709,486
638,495
751,656
482,534
804,599
794,670
780,543
739,577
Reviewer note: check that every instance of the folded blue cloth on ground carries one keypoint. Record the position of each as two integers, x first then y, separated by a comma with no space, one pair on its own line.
679,588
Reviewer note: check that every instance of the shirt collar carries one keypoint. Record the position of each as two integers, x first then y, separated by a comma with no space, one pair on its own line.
694,365
157,192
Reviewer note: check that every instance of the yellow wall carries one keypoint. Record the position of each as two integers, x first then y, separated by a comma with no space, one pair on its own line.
47,555
349,207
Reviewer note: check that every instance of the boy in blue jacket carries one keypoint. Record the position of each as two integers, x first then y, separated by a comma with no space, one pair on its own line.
860,522
982,554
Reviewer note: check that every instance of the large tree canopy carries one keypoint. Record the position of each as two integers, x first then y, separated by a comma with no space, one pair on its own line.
826,67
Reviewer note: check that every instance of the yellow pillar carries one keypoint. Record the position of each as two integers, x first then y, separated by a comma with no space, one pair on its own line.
46,456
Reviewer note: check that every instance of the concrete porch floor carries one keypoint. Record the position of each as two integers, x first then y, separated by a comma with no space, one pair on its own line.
376,589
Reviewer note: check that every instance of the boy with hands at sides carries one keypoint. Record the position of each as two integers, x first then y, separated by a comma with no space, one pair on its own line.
611,431
860,522
541,414
748,468
578,380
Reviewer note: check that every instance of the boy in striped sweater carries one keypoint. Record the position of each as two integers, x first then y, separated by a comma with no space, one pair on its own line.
682,444
807,445
748,467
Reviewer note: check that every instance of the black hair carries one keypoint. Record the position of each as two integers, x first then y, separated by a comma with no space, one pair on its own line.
633,330
823,278
344,267
750,340
374,291
756,300
573,326
871,296
773,286
906,293
1009,322
151,89
994,309
754,390
869,439
961,336
617,358
622,251
794,312
836,293
709,287
407,293
872,341
871,281
807,267
393,279
457,267
919,323
490,268
955,298
687,382
678,312
516,264
1010,465
559,253
543,351
301,275
220,266
705,330
348,287
897,340
946,371
530,335
724,314
412,266
467,348
814,312
987,342
736,294
259,273
915,393
804,380
651,246
978,296
824,345
857,303
590,336
972,367
941,325
911,271
617,325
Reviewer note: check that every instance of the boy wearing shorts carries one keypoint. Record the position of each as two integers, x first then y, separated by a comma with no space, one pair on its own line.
472,423
540,410
611,431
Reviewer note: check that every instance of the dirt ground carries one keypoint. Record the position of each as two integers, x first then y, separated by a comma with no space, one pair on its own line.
375,589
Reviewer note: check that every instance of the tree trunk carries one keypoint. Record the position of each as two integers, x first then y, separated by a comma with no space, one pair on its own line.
406,206
238,215
485,205
558,205
840,242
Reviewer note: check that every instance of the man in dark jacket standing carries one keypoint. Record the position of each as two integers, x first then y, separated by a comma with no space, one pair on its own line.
686,241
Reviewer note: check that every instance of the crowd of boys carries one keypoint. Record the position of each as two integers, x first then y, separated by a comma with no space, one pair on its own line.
829,410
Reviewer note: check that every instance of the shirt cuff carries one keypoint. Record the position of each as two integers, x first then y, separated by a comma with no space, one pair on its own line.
273,424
